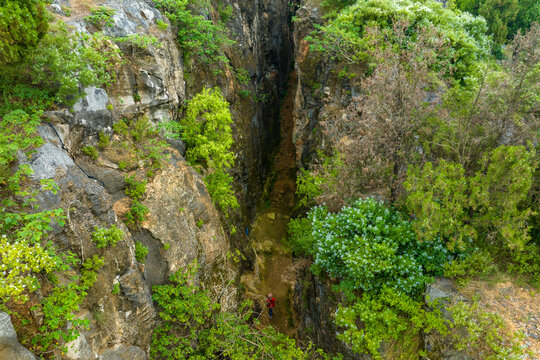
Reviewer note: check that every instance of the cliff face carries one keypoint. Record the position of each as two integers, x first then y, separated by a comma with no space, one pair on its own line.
182,225
263,48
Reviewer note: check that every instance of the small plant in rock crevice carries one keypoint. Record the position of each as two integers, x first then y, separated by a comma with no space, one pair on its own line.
140,252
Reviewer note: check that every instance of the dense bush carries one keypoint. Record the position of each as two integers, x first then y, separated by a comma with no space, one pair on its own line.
140,252
63,61
368,247
23,23
206,130
104,237
372,250
344,36
486,207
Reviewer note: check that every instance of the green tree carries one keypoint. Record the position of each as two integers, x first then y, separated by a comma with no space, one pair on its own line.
500,14
486,206
22,25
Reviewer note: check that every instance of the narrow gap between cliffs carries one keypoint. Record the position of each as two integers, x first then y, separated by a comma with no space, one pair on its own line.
269,229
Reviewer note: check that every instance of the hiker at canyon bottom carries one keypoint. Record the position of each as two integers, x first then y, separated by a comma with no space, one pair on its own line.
270,303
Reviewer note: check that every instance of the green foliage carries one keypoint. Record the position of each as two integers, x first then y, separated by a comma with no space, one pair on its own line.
142,41
244,93
225,12
242,75
139,141
346,37
477,332
371,248
162,25
89,271
387,316
469,265
140,252
200,223
368,247
312,184
192,327
219,185
137,213
101,17
61,64
196,34
116,289
21,260
135,189
23,229
499,14
104,140
104,237
206,130
300,236
90,151
17,130
23,23
59,307
464,208
505,18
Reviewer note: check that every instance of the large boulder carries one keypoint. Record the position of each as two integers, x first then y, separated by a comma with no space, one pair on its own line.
10,348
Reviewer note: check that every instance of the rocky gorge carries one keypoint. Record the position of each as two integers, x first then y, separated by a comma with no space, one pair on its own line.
285,101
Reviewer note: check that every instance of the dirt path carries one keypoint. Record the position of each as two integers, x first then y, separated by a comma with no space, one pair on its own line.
270,228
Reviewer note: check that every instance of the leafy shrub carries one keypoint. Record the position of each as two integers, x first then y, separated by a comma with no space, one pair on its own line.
372,250
196,34
142,41
20,262
206,129
22,230
219,185
23,23
367,246
162,25
104,140
140,252
135,189
469,265
101,16
90,151
61,64
242,75
479,333
505,18
104,237
61,304
387,316
116,289
137,213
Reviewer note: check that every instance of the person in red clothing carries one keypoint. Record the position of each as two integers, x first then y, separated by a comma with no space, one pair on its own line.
270,303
